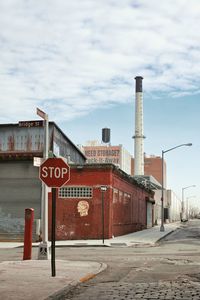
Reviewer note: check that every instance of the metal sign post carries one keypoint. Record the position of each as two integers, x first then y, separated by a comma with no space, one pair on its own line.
53,233
43,252
103,190
54,173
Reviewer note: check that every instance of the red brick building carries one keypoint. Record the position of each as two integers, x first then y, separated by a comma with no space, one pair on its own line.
128,206
153,167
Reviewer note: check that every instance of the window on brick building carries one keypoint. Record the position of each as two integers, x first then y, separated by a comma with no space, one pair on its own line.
75,192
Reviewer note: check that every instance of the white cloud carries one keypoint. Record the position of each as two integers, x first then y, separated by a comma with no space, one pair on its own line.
70,57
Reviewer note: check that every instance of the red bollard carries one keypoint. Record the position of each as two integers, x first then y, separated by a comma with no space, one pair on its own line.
29,216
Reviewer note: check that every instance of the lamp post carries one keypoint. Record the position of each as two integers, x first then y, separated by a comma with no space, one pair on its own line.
162,228
183,208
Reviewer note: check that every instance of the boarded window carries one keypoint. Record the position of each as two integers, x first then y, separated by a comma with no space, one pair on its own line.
115,195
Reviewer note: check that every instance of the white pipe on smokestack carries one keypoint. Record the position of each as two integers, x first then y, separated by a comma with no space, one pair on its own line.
139,137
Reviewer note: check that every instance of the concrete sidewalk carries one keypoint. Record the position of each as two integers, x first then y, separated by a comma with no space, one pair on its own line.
145,237
31,279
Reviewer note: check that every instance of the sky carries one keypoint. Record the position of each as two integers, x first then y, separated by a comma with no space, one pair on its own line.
77,60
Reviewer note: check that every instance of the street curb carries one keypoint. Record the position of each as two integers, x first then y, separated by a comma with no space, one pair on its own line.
62,293
68,246
92,275
87,277
163,237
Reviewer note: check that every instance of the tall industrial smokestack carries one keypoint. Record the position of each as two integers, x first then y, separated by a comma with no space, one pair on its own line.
139,137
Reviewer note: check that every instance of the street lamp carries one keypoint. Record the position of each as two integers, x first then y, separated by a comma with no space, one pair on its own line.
183,189
162,228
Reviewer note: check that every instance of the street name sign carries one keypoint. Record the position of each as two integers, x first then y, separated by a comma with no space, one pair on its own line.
42,114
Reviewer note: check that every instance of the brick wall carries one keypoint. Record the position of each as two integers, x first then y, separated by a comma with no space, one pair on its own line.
124,205
153,167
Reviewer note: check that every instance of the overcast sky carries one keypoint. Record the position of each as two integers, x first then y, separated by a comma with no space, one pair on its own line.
77,60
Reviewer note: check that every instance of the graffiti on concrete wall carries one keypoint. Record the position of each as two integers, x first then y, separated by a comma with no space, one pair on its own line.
9,224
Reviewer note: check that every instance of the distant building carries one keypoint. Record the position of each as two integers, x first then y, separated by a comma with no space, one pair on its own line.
153,167
101,153
175,206
172,203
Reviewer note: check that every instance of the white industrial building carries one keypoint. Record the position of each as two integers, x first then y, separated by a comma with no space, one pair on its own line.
175,206
96,152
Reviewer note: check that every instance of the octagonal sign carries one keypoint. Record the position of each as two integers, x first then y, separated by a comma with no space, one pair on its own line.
54,172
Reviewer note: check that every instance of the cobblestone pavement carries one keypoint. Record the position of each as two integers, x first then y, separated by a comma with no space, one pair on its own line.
170,270
180,289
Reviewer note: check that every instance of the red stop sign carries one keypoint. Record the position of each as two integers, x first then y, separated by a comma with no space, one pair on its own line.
54,172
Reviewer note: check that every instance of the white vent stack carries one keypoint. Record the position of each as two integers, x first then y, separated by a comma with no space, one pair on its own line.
139,137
